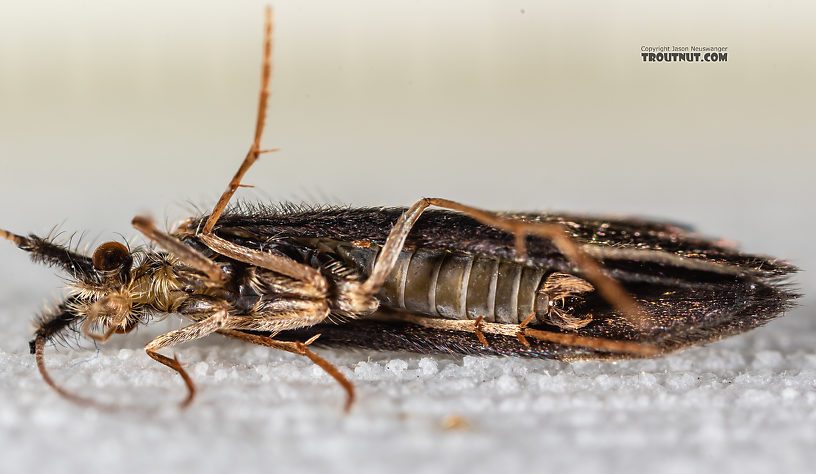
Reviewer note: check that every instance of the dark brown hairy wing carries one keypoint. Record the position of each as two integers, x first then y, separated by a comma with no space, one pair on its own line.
632,249
694,289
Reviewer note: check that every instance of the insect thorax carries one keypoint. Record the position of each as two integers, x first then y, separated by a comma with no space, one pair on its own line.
151,285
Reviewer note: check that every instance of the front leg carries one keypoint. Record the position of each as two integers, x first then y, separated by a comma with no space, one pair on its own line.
186,254
212,314
219,320
276,263
351,299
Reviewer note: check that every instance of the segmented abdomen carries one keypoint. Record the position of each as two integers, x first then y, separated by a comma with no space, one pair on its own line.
454,285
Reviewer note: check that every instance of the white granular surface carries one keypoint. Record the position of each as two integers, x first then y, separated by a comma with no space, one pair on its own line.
747,404
112,109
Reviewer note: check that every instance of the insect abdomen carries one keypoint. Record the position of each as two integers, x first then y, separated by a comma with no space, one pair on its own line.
455,285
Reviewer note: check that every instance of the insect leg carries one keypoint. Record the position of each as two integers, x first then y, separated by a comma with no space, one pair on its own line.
185,253
477,328
300,348
283,314
607,287
255,149
514,330
269,261
110,304
219,320
521,326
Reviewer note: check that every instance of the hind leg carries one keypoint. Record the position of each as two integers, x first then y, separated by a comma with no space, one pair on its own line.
610,289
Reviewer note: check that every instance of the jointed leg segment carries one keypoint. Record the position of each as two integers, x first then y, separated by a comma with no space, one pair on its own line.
185,253
300,348
477,329
219,320
521,326
607,287
276,263
111,303
519,331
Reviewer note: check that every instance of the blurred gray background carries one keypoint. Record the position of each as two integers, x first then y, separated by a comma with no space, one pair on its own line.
112,109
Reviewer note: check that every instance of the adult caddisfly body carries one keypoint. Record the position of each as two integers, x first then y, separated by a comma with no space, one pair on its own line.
455,279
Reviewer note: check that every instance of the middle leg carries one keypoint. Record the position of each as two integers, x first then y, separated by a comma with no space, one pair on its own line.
300,348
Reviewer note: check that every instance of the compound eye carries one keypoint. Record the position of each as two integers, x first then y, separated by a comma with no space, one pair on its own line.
110,256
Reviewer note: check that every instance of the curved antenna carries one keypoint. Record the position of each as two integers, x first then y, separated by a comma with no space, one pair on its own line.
39,349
